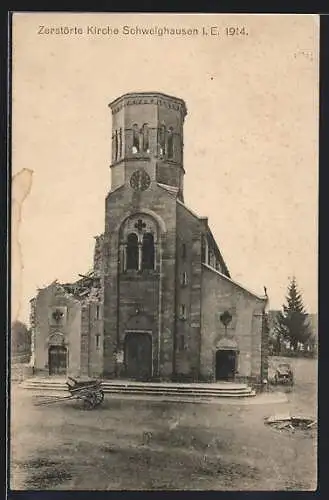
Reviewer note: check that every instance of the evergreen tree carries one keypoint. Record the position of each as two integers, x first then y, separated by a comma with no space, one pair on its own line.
292,322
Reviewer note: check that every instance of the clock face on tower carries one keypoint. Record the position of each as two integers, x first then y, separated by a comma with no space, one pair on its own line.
140,180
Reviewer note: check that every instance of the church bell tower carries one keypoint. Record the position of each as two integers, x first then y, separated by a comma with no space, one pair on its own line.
147,138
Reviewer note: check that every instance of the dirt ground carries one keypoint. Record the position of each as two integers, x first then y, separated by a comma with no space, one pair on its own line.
151,445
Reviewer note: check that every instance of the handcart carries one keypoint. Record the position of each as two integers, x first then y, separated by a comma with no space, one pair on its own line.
89,391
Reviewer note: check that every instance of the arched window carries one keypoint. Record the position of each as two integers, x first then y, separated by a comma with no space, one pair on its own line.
135,138
170,142
162,139
132,251
184,278
145,138
113,147
148,251
203,249
209,257
138,243
116,145
182,311
120,143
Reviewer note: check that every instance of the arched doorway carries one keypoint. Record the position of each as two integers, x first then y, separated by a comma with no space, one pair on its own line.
226,364
57,360
138,355
227,352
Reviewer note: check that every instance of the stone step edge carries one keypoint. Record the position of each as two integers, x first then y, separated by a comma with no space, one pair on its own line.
177,397
158,394
145,388
142,384
185,399
140,387
174,389
194,395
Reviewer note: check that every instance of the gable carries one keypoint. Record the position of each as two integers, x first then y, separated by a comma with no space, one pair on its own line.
234,284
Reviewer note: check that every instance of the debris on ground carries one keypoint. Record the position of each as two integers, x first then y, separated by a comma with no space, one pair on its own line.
278,418
290,422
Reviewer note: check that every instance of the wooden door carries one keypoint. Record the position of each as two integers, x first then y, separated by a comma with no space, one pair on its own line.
225,364
138,355
57,360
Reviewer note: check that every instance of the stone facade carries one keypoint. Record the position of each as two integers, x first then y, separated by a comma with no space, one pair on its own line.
244,332
153,305
67,329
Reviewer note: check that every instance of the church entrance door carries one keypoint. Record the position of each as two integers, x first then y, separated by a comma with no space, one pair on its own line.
226,361
138,355
57,360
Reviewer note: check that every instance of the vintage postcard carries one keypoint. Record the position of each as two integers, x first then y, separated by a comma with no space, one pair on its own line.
164,252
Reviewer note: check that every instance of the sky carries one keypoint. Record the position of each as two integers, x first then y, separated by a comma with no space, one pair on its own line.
250,139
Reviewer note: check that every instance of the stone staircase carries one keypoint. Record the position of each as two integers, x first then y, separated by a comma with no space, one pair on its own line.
196,392
178,390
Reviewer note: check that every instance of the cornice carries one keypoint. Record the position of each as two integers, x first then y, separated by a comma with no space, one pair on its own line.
127,159
155,98
148,158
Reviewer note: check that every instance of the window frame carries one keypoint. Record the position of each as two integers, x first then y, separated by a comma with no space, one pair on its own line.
183,251
145,133
162,140
120,142
135,139
143,250
129,248
170,143
116,142
182,312
184,279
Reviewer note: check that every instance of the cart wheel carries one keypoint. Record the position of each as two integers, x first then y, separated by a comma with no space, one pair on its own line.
89,402
89,399
99,397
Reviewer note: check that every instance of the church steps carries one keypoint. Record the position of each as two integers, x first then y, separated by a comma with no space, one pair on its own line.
178,393
192,389
150,389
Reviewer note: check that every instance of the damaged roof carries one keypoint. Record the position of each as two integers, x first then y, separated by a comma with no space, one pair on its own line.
87,287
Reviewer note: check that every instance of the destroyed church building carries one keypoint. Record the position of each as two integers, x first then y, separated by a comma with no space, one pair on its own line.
159,303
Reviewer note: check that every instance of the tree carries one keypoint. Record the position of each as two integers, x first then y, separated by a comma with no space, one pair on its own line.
292,322
274,339
20,338
274,343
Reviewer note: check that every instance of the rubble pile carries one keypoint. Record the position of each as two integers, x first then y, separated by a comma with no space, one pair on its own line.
288,422
87,287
